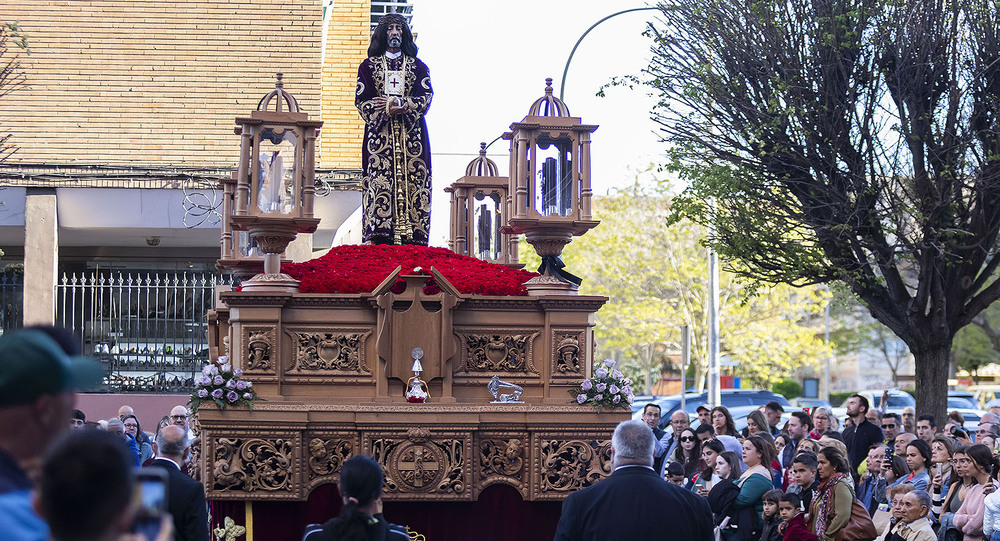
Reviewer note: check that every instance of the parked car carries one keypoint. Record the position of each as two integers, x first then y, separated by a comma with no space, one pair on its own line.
639,403
807,404
731,398
965,403
898,400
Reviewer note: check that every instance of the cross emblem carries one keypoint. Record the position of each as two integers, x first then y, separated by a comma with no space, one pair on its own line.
394,83
420,462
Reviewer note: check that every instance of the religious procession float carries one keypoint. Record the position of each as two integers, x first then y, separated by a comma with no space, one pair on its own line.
470,380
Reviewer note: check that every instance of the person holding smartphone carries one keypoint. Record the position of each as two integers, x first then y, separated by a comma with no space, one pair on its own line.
86,487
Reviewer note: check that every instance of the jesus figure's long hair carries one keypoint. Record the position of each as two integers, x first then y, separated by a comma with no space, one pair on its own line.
380,40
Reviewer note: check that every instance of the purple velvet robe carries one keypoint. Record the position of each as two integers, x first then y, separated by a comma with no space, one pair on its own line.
396,187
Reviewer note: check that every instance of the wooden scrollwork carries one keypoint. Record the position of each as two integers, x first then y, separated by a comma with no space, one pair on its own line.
329,351
496,352
252,464
570,465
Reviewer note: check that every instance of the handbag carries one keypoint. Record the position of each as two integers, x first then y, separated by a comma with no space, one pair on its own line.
859,527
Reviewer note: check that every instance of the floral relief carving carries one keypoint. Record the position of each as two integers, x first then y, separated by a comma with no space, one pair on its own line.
259,349
326,456
569,465
252,464
497,352
566,353
343,352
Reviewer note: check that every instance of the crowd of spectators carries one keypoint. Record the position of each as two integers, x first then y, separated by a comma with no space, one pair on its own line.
78,480
892,477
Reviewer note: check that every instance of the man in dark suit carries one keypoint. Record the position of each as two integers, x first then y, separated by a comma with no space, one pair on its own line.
630,503
185,496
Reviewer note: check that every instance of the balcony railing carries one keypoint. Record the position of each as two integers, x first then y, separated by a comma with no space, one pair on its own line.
148,330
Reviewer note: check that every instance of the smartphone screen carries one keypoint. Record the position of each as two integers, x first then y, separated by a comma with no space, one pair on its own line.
150,500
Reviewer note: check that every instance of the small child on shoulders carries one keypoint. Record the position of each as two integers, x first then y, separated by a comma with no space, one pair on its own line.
793,523
770,532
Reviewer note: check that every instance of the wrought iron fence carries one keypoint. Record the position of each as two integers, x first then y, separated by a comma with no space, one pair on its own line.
149,331
11,300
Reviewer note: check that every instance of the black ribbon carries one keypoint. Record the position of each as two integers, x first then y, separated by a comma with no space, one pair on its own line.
555,266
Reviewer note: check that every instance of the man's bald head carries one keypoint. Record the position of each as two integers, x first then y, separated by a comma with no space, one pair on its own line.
125,410
179,417
902,441
679,421
172,442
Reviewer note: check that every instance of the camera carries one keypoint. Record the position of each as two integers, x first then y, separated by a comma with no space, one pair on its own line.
150,501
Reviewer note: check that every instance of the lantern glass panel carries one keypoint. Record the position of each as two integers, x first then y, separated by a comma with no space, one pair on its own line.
277,171
246,245
486,231
553,175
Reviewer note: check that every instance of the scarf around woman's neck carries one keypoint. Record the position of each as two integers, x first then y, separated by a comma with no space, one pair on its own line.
825,490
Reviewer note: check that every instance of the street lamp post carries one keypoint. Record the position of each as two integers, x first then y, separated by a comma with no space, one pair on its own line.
562,84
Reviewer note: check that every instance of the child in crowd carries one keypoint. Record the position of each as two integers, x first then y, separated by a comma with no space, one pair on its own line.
770,532
675,473
793,522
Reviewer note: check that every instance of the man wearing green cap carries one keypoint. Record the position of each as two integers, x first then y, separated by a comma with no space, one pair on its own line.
38,384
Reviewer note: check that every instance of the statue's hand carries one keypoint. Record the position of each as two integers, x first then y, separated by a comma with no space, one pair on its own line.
397,106
379,102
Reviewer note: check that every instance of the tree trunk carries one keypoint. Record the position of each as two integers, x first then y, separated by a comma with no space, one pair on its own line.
931,374
699,377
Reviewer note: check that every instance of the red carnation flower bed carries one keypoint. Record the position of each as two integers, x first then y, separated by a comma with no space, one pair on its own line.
361,268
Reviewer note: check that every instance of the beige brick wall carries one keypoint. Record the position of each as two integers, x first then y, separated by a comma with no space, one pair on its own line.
347,41
160,83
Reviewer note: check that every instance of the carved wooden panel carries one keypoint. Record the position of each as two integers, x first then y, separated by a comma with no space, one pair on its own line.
502,458
260,352
563,465
327,453
568,356
491,351
245,464
421,467
317,352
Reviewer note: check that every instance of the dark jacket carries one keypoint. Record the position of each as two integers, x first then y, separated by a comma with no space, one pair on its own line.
770,531
858,439
385,531
186,503
630,504
741,521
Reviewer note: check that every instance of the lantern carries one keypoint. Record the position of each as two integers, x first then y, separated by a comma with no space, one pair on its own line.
479,211
550,186
275,182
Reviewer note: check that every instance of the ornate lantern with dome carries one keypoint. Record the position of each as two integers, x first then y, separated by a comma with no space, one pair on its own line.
275,181
479,210
550,187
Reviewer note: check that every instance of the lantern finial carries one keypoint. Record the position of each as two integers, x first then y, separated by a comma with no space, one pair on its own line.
481,166
548,105
284,102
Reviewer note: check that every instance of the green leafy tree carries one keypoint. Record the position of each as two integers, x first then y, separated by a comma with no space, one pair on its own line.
656,278
978,345
789,388
854,141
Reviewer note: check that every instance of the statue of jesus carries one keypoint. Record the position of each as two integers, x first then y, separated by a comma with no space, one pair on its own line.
393,94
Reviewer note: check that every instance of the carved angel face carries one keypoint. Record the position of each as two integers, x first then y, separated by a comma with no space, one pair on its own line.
316,448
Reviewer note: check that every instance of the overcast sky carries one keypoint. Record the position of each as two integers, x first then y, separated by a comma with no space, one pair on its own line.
488,63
